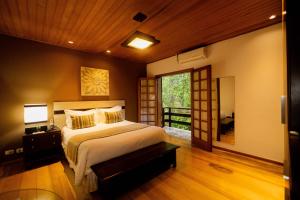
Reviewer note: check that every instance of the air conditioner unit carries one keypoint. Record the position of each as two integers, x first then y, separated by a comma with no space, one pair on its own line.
193,55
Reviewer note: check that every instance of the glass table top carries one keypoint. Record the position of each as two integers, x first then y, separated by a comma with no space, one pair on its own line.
30,194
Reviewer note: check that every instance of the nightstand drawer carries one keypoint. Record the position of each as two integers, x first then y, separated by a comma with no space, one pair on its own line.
41,141
31,144
31,140
55,136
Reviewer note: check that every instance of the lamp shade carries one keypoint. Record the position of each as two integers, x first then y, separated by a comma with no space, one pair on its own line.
34,113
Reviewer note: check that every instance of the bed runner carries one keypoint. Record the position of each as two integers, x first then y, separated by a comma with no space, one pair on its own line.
75,141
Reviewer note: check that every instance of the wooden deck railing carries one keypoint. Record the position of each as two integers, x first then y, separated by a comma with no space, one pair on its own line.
168,112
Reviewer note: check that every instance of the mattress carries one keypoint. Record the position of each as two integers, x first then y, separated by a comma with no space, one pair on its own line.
95,151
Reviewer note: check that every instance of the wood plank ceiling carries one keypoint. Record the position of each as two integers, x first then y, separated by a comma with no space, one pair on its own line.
98,25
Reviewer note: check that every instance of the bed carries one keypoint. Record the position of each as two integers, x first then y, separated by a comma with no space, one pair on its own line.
98,150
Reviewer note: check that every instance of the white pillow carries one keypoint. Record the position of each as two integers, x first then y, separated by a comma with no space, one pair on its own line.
68,114
100,116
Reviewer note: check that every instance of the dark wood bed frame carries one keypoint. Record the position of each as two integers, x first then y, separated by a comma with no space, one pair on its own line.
135,167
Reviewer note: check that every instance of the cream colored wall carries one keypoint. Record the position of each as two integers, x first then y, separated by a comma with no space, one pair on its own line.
256,61
227,95
286,169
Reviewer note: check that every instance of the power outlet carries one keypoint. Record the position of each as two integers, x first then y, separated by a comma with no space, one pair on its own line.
9,152
19,150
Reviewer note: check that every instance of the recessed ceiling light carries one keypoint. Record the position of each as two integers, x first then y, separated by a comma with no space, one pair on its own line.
140,41
70,42
284,12
272,17
108,51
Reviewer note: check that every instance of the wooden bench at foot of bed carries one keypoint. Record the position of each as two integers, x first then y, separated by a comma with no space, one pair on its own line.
137,166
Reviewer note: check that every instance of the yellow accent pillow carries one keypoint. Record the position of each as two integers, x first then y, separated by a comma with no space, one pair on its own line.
82,121
113,117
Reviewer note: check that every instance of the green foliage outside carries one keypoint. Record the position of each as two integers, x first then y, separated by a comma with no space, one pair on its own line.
176,93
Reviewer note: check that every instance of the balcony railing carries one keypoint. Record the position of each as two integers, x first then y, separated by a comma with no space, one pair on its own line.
177,116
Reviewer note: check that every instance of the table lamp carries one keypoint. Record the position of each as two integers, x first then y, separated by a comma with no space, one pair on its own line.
33,115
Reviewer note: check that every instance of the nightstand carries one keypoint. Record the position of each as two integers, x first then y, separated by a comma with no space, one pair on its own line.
42,148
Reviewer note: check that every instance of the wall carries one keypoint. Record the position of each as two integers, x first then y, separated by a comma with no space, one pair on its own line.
227,95
256,61
286,169
32,72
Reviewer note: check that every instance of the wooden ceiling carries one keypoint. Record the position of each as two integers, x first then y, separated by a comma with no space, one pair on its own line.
98,25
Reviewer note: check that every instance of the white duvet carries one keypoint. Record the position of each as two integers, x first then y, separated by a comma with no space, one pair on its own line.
95,151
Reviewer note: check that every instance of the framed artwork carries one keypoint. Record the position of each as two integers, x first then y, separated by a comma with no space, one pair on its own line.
94,82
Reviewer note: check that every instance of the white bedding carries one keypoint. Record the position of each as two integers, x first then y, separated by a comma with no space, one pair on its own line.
98,150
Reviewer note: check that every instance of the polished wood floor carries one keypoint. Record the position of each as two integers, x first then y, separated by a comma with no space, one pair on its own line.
199,175
50,178
204,175
228,137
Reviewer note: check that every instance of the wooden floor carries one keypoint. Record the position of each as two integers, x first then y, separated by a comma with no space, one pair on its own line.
50,178
204,175
199,175
228,137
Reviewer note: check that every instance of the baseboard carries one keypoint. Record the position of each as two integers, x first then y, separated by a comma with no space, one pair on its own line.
250,156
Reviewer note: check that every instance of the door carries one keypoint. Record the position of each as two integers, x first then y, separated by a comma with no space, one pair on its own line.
215,107
201,108
147,101
159,101
293,63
